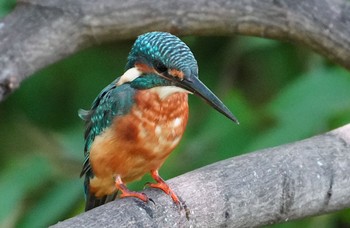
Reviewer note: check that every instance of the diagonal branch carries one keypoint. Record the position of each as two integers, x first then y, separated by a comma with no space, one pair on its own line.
292,181
40,32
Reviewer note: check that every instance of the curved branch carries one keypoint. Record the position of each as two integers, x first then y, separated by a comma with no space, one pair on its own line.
292,181
40,32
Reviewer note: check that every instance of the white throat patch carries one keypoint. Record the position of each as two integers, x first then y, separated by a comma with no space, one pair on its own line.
165,91
129,76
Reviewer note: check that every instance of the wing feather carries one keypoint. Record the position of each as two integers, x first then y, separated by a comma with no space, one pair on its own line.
111,102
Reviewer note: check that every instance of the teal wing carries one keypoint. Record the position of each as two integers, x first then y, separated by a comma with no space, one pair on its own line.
111,102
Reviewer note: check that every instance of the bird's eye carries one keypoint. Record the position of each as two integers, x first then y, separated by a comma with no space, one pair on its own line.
160,67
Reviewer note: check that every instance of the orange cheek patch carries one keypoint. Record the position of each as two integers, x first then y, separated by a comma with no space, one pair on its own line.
144,68
176,73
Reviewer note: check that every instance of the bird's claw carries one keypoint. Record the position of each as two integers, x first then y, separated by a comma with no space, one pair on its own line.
154,203
182,206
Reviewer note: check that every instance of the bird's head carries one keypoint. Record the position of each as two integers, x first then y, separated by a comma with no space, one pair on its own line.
161,59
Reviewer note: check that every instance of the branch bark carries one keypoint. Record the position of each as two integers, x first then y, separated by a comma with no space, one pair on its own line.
292,181
40,32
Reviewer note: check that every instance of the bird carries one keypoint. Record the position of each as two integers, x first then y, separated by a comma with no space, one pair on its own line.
136,121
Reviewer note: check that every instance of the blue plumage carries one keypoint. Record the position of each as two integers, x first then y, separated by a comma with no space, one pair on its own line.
162,48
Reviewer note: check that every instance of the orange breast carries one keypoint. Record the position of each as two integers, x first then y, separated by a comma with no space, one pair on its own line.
138,142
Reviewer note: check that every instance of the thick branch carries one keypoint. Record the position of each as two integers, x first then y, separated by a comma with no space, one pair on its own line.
288,182
40,32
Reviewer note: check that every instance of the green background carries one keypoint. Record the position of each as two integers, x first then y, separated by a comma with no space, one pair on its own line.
279,91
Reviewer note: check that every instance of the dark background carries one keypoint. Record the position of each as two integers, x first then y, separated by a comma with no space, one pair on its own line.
279,91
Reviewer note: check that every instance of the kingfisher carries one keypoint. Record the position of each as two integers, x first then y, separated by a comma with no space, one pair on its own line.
137,120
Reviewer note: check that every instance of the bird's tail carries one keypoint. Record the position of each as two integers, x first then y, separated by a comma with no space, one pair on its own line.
92,201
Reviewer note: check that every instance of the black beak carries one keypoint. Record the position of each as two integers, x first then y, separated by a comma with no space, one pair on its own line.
194,85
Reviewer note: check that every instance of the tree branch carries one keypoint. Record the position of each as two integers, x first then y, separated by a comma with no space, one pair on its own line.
292,181
40,32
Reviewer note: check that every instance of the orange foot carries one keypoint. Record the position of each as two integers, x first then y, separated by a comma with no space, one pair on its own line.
125,192
163,186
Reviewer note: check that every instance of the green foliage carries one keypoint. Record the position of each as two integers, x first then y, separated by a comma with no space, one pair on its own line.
55,202
6,6
306,106
279,92
27,174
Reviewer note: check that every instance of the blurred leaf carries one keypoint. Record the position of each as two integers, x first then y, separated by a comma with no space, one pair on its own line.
17,179
306,106
72,142
252,44
344,217
265,66
6,6
54,204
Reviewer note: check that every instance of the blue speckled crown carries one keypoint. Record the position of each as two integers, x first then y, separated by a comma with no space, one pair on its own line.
165,48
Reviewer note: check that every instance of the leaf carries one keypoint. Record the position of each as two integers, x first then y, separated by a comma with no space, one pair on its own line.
56,202
305,106
6,6
17,180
